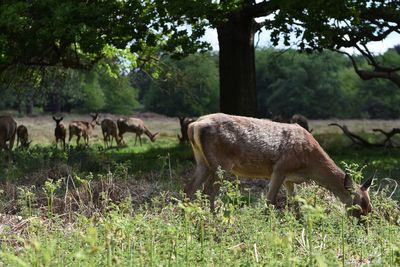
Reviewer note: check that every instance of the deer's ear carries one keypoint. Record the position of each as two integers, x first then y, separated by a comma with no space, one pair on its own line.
348,183
367,184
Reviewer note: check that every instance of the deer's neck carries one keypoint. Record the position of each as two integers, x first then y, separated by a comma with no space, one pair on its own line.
148,133
330,176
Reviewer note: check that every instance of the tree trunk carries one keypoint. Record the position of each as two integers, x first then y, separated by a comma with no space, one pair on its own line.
237,66
19,106
29,107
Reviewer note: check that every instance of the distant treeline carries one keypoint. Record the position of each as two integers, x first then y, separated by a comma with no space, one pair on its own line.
319,85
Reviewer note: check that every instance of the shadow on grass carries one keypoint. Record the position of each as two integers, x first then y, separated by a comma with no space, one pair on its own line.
43,162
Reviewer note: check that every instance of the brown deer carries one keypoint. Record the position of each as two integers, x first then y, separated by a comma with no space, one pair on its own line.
60,132
83,128
22,136
109,129
8,129
136,126
300,120
184,123
283,153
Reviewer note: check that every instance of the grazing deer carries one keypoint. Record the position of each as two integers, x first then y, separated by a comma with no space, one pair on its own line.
22,136
136,126
283,153
300,120
184,122
60,132
8,129
83,128
109,129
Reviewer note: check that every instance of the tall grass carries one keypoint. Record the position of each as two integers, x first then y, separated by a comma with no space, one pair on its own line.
174,232
123,207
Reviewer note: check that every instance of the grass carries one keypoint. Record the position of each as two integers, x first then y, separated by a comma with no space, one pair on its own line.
173,232
124,207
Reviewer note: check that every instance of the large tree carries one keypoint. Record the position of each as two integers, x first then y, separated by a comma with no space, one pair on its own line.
310,25
76,33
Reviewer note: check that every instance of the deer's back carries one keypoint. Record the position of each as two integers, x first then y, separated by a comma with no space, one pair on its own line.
60,130
108,125
131,125
252,145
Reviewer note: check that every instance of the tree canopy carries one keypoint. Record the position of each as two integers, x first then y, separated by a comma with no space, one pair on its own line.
77,34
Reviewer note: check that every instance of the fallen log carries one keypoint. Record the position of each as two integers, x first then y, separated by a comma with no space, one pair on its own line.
358,140
388,135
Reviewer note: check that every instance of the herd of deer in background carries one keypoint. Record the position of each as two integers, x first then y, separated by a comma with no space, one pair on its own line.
112,130
81,129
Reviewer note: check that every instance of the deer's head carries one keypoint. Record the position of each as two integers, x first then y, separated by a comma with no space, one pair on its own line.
95,119
58,120
153,137
360,194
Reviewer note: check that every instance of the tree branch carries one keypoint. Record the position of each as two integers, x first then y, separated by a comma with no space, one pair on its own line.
356,139
388,135
378,72
261,9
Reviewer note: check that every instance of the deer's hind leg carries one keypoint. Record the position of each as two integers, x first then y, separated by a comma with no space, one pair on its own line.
200,175
213,184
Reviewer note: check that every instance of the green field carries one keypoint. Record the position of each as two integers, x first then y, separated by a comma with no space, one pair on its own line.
125,207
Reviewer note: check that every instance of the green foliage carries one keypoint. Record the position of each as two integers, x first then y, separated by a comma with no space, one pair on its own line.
61,89
321,85
355,171
78,33
186,87
120,96
93,99
292,83
318,25
187,233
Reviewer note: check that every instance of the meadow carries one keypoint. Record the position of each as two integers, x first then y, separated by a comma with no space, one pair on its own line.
124,206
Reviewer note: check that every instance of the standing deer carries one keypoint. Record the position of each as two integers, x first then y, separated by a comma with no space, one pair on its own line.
109,129
22,136
8,129
283,153
136,126
60,132
83,128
